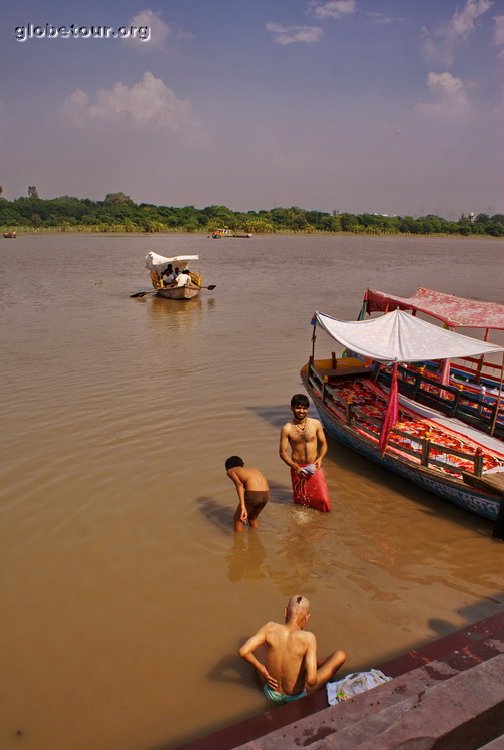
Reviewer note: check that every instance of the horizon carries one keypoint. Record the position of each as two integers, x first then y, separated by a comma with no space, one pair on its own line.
331,105
470,216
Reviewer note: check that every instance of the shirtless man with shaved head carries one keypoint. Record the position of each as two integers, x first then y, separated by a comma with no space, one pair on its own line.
290,670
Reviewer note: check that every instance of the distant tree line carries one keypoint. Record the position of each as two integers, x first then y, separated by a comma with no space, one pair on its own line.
118,213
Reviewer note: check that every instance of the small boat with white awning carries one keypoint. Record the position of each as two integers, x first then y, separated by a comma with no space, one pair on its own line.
186,287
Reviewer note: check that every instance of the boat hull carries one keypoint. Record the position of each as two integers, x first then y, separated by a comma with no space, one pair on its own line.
466,497
179,292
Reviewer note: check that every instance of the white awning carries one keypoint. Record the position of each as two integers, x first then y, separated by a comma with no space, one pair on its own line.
155,262
400,337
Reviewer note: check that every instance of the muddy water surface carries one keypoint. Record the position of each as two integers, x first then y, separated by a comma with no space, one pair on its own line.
124,593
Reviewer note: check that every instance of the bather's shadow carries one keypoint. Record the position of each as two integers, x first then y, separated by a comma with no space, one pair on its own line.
275,415
479,610
221,516
281,494
231,668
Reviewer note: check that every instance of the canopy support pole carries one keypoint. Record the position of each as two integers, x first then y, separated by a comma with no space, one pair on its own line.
499,398
314,337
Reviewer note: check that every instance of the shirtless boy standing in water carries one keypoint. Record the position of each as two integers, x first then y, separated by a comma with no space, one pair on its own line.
308,445
291,670
252,489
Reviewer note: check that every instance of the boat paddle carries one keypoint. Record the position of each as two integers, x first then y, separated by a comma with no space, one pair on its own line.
142,294
152,291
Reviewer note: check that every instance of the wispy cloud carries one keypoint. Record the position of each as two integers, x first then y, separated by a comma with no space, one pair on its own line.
449,98
148,103
332,8
438,45
498,35
290,34
383,19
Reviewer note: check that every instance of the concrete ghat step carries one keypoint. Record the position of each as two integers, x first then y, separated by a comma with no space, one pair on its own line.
497,744
425,708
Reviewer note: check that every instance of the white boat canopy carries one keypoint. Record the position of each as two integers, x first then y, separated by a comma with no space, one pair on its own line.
155,262
400,337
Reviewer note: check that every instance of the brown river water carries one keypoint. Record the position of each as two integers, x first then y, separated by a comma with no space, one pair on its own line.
124,592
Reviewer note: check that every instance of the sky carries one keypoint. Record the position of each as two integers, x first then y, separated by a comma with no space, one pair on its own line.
382,106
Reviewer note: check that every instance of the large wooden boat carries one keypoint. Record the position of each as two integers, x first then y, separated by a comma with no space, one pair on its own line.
361,405
157,265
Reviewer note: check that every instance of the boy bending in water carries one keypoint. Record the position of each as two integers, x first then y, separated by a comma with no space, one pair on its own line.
252,489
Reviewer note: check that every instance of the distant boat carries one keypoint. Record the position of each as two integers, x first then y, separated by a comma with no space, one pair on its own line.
10,235
218,234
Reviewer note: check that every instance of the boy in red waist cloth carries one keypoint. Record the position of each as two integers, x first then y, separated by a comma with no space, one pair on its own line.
306,440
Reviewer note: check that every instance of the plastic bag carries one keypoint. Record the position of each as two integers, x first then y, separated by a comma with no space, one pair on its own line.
353,684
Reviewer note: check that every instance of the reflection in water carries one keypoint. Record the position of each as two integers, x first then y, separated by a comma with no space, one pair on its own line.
246,556
178,313
211,303
299,561
246,553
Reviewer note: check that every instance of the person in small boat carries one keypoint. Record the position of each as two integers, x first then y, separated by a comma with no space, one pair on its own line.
252,489
168,275
289,669
303,446
172,281
183,278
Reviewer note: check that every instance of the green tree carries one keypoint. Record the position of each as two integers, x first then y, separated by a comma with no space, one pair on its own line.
495,229
220,216
348,222
119,199
152,225
407,224
259,226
